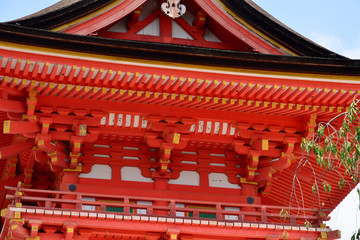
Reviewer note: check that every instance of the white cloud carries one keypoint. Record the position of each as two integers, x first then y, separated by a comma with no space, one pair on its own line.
353,53
336,44
328,41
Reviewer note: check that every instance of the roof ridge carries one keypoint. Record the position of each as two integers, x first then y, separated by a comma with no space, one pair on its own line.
54,7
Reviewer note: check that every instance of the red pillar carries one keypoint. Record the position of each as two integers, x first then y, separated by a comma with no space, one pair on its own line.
161,183
69,181
249,191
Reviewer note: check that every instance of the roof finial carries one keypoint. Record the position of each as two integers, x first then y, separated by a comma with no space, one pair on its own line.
173,8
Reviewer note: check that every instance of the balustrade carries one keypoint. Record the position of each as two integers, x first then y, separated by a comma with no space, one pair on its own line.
176,208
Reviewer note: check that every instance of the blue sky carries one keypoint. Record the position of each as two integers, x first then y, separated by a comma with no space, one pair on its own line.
331,23
334,24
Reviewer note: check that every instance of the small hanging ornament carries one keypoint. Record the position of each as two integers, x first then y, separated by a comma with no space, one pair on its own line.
173,8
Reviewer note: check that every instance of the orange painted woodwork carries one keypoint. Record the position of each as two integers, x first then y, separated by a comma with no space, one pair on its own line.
120,122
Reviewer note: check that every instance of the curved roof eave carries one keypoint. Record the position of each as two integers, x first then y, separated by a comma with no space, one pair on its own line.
68,10
60,13
177,53
262,20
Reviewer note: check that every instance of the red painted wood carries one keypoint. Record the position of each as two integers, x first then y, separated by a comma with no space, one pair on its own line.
241,33
106,18
12,106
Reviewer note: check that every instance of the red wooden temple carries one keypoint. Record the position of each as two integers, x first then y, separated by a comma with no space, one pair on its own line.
155,119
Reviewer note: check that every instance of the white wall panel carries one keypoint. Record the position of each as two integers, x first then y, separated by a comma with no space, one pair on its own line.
190,178
98,171
220,180
133,174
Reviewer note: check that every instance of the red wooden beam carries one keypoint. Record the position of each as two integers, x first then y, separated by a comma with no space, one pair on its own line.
15,127
12,106
15,148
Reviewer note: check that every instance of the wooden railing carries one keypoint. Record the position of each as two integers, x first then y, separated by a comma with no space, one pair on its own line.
176,208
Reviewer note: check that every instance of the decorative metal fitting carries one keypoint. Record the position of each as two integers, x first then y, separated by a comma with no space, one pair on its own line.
250,200
173,8
72,187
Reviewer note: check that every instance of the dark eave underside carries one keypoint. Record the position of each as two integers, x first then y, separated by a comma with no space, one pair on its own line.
177,53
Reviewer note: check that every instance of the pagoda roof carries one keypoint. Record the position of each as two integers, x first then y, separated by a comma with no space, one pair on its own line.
67,11
314,74
178,53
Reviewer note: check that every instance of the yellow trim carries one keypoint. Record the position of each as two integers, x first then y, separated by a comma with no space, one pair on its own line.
243,180
36,238
176,139
77,144
3,212
17,220
77,169
17,215
82,132
72,23
74,155
24,117
242,21
265,144
191,67
6,128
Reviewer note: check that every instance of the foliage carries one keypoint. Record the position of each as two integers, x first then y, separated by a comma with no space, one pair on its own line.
285,235
284,214
334,145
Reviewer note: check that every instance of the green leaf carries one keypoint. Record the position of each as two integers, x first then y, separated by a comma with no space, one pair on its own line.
329,188
324,186
320,130
341,183
285,235
313,189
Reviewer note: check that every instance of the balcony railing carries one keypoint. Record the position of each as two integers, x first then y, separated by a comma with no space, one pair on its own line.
157,207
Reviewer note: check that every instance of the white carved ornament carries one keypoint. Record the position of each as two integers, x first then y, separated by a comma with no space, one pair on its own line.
173,8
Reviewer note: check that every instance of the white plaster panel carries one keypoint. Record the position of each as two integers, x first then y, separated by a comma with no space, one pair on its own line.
232,217
143,211
179,32
153,29
180,205
220,180
88,207
209,36
121,26
190,178
133,174
98,171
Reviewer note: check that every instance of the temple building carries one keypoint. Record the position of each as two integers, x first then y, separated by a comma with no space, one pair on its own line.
165,119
